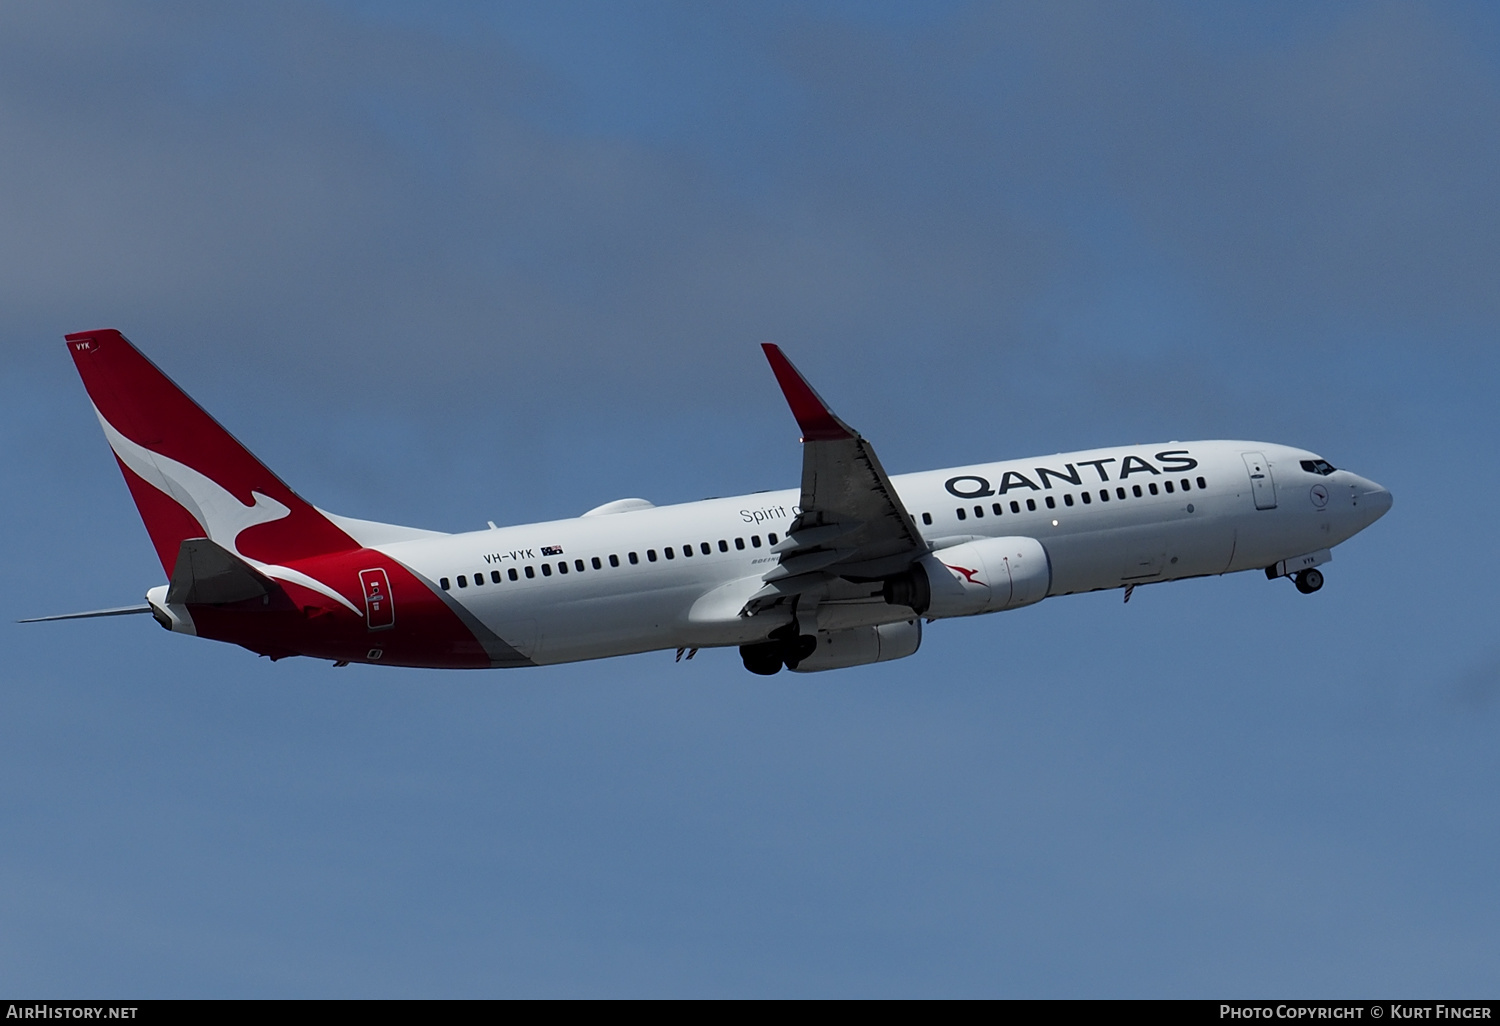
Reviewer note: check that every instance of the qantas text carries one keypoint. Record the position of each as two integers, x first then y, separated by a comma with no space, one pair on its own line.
972,486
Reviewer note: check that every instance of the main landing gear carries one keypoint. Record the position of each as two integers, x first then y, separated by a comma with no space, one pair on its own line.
1309,581
785,648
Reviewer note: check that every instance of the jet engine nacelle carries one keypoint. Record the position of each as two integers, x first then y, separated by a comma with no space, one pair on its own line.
858,646
982,576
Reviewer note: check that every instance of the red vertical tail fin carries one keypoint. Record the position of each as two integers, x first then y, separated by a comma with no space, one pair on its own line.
189,477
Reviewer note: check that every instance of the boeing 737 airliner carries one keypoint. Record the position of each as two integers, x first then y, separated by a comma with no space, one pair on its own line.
839,572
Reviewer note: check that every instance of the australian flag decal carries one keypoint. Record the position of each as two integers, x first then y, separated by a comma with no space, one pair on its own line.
552,550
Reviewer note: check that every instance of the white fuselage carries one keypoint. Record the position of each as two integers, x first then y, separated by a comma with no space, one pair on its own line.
1199,511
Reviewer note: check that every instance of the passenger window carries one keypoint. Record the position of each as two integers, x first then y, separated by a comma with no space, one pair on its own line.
511,573
479,578
634,559
614,560
770,539
1015,507
546,569
495,576
705,548
1187,485
998,509
463,582
961,514
1104,495
578,565
651,555
531,573
1168,486
1135,490
927,519
978,512
562,567
739,543
596,564
1120,492
687,551
1152,485
755,541
443,583
668,552
1051,502
1087,497
1068,499
1202,483
723,545
1031,505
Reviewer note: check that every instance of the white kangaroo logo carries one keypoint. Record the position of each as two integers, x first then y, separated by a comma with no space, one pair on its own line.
222,516
218,512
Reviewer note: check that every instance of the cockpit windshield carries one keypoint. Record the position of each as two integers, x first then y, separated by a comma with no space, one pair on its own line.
1318,467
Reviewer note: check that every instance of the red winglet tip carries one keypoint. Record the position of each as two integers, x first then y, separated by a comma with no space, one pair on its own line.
816,420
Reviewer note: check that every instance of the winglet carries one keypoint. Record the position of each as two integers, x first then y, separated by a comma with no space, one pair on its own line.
817,421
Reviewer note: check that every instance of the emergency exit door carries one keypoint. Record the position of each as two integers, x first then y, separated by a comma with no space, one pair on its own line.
1261,483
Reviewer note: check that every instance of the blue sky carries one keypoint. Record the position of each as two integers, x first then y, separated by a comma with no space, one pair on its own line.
445,263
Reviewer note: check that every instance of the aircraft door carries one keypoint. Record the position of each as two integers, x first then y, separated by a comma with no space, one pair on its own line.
380,611
1261,482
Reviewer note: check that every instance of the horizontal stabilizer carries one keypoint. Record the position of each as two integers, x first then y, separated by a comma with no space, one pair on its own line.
119,611
209,574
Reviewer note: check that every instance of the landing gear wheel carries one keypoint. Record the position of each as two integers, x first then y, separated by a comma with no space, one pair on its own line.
1309,581
763,659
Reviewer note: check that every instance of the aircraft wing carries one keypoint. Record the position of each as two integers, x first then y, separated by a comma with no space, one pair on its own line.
852,524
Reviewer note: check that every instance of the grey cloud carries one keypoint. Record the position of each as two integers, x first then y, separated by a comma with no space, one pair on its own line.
1342,167
339,196
312,180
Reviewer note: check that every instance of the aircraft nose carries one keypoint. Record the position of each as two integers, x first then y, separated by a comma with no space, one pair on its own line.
1373,499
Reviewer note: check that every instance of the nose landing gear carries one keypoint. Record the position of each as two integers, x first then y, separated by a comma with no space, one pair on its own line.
1309,581
1302,570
